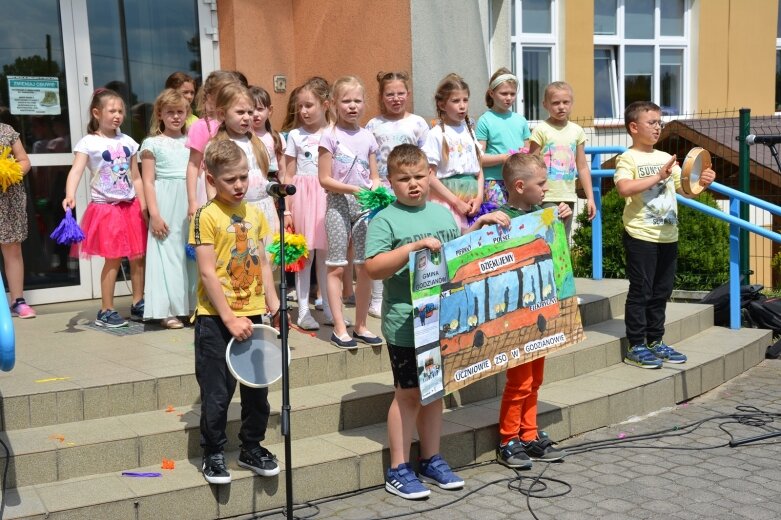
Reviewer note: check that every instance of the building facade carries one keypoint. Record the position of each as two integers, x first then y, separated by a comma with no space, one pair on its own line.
689,56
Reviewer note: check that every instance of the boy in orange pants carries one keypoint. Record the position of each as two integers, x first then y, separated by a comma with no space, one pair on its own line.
525,177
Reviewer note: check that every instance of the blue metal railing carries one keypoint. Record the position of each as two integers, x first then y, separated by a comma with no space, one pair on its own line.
733,219
735,225
597,174
7,339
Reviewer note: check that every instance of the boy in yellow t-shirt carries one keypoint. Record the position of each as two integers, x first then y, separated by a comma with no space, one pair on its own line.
227,235
648,179
561,143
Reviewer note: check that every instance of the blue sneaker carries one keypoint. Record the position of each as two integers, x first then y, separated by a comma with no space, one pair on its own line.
403,482
110,319
666,353
137,311
436,471
640,356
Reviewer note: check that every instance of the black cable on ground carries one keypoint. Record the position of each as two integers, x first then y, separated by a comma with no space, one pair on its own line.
747,416
5,476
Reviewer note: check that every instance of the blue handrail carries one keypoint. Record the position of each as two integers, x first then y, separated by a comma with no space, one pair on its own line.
733,219
7,338
735,225
597,174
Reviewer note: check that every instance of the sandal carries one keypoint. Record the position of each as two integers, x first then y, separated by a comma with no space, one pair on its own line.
172,322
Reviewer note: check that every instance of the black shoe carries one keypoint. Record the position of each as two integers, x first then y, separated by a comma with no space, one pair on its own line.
543,449
214,469
259,460
513,455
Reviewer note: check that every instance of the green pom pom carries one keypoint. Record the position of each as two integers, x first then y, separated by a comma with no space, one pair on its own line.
375,200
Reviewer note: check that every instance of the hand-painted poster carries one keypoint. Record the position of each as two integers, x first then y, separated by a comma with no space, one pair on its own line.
491,300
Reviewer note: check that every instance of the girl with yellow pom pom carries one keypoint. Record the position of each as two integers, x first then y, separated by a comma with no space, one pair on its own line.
14,164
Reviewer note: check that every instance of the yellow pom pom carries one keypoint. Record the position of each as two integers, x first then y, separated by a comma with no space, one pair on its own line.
10,170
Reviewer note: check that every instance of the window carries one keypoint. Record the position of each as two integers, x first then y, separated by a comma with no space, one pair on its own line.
641,53
778,60
533,52
135,46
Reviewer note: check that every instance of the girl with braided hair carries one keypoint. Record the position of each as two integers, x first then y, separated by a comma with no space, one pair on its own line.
453,152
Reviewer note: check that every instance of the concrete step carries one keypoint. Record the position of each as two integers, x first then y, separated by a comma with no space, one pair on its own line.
80,448
351,459
76,373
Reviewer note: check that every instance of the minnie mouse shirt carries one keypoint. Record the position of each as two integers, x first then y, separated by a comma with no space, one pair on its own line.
108,159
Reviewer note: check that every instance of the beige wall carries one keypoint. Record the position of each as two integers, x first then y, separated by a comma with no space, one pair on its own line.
735,55
303,38
578,56
358,37
255,38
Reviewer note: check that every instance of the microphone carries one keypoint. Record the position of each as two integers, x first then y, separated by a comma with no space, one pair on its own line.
278,191
752,139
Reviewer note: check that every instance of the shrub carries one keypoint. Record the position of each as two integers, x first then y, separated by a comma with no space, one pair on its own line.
703,245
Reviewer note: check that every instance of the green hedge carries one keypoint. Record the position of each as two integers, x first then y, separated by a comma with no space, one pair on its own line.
703,247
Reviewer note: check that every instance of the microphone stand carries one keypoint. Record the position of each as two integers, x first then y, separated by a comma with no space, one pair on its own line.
283,336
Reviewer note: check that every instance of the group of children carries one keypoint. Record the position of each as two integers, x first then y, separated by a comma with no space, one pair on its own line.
209,176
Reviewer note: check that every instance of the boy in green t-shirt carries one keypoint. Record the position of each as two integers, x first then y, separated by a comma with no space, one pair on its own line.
648,179
227,234
407,225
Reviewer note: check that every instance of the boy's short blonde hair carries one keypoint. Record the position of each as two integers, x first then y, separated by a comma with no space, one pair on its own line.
521,166
405,155
222,154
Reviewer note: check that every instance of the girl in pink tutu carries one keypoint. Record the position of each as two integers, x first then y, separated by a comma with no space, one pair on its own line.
113,223
307,206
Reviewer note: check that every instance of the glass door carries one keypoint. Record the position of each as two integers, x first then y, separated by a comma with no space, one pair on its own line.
134,45
53,54
39,98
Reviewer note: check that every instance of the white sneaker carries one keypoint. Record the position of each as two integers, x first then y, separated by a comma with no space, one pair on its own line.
319,304
307,322
375,309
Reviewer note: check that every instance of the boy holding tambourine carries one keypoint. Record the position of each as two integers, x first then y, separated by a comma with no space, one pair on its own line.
648,179
226,233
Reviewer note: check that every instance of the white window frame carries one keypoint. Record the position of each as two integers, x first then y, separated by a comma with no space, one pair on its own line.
618,42
519,40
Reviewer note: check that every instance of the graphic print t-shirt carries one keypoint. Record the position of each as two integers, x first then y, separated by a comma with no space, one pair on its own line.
236,233
108,159
557,148
391,133
391,228
303,146
350,150
462,151
653,214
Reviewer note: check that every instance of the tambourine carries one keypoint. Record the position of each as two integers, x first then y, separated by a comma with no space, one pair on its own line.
697,160
257,361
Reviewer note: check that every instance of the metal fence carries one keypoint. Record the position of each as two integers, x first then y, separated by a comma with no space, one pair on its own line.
717,132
